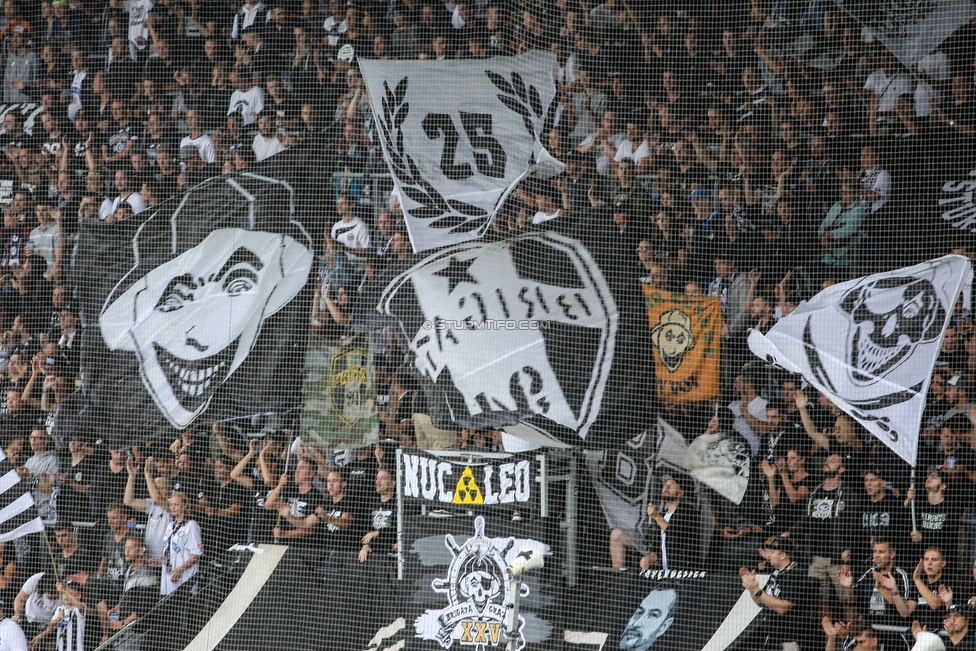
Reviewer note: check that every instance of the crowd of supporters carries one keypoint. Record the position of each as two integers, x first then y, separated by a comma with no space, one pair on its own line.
695,137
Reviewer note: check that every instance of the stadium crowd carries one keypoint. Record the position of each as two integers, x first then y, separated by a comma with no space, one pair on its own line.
695,138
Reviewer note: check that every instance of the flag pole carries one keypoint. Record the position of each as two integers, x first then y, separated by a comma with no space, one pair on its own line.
912,486
50,551
287,464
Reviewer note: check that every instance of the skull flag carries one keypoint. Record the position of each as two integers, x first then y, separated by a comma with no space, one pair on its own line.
870,344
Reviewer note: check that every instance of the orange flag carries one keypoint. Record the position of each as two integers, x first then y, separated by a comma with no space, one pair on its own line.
685,333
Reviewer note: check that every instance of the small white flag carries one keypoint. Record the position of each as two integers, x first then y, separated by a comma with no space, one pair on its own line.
910,30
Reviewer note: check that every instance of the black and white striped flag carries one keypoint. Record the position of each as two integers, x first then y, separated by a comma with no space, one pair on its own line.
18,517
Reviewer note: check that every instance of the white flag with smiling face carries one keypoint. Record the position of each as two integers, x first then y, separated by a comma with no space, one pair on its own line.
870,344
458,136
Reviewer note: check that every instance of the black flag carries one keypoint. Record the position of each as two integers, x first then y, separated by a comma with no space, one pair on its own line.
193,310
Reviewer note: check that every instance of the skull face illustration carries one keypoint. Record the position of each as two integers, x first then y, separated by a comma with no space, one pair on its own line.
891,317
479,586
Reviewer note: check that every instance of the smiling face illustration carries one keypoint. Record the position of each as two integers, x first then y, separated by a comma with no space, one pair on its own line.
193,320
673,338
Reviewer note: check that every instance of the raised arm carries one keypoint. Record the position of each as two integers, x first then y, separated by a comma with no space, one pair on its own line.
816,435
157,496
130,488
793,493
267,473
239,473
229,450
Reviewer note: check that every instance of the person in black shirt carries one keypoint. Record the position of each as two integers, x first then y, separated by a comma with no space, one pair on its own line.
881,514
359,473
828,521
121,137
20,419
78,472
958,112
788,618
884,594
956,625
930,581
380,529
792,488
72,560
673,540
187,479
297,503
340,514
859,637
937,517
224,503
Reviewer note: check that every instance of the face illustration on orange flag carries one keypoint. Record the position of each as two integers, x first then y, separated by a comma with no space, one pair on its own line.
685,334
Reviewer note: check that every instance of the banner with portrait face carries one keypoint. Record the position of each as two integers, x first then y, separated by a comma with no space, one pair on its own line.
686,610
686,335
197,310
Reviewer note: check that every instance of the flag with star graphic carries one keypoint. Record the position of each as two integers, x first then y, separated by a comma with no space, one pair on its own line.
527,334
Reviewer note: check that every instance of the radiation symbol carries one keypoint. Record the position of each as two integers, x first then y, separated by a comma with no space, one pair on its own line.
467,490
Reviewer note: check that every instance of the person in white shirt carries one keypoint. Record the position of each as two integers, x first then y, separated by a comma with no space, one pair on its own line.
36,602
138,11
44,469
12,636
634,146
247,100
350,231
249,13
157,508
197,138
127,194
183,549
266,143
68,620
79,61
335,24
46,240
887,88
546,203
875,181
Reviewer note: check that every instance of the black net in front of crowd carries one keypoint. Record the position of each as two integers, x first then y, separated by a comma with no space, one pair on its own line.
490,324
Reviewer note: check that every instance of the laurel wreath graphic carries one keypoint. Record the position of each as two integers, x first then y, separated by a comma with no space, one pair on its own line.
519,98
444,213
449,214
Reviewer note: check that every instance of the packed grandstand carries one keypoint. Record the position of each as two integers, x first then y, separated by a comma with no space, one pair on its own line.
523,324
